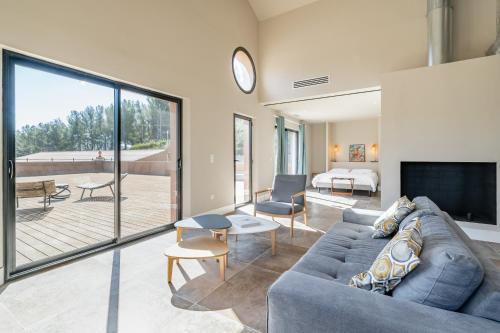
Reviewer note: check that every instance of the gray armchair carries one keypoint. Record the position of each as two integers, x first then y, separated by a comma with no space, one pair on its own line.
287,199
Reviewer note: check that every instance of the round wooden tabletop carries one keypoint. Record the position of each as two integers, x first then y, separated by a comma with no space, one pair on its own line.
197,248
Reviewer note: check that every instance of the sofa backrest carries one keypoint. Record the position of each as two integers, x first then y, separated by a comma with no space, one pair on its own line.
485,301
448,273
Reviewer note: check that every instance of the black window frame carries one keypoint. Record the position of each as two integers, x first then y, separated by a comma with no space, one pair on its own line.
9,60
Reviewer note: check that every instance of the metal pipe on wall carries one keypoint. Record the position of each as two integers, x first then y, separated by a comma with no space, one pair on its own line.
439,31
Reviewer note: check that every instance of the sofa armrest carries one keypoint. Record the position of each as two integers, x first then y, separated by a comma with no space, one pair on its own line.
360,216
299,302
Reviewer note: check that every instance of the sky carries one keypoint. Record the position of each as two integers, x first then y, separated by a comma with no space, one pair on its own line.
41,96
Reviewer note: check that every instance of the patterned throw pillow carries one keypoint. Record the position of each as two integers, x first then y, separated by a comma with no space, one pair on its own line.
386,224
398,258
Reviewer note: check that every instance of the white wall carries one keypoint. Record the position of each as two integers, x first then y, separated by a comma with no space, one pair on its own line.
345,133
182,48
356,41
447,113
318,148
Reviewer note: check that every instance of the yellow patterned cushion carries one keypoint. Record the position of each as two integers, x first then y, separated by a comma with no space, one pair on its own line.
398,258
386,224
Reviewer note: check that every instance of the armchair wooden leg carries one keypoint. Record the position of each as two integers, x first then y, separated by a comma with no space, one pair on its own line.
305,216
291,226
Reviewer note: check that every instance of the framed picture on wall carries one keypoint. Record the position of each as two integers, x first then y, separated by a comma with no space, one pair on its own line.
357,153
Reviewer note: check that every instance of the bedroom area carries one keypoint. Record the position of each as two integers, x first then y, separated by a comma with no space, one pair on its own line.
342,145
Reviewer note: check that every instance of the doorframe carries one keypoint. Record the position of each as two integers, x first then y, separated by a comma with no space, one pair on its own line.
250,120
9,60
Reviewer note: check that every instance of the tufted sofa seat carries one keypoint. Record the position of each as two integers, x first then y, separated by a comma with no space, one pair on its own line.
345,250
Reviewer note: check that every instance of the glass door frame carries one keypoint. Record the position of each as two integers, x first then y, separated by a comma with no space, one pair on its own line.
250,120
10,59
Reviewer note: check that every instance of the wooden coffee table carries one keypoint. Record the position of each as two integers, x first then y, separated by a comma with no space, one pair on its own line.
351,182
197,248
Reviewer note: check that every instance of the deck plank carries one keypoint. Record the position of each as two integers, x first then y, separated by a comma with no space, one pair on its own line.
72,223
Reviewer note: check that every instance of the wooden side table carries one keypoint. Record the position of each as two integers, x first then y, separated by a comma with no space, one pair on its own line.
351,182
197,248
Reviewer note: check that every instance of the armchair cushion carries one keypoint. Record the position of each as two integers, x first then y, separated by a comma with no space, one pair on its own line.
286,185
278,208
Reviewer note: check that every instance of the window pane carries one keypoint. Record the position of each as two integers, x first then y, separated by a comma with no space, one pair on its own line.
149,162
64,157
292,152
243,160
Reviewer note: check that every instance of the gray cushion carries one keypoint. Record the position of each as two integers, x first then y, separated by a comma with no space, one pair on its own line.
345,250
286,185
449,272
278,208
485,302
426,203
417,213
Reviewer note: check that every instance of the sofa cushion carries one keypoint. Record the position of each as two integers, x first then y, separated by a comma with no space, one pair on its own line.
485,302
388,222
398,258
413,215
278,208
426,203
346,249
449,272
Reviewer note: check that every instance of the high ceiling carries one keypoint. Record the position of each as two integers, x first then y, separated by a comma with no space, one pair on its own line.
265,9
349,106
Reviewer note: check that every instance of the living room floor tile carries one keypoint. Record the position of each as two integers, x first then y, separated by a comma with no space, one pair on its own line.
243,297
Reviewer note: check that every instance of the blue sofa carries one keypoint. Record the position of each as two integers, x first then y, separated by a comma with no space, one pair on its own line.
463,284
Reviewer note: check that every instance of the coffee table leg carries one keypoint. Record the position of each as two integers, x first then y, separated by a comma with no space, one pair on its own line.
179,234
170,267
222,267
273,242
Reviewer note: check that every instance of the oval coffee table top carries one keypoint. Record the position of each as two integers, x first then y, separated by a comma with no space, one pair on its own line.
197,248
208,221
247,224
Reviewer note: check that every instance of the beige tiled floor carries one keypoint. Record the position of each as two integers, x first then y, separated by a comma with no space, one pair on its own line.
125,289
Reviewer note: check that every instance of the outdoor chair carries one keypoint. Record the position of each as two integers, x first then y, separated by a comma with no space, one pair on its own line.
44,189
95,186
286,199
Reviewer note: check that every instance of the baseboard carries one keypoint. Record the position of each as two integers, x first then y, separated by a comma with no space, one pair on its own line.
481,232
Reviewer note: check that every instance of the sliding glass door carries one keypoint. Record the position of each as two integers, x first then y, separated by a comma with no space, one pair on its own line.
90,161
149,150
242,160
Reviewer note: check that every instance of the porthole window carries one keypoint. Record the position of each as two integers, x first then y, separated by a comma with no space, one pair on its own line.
244,70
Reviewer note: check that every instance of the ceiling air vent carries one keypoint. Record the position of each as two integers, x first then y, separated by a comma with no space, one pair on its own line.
311,82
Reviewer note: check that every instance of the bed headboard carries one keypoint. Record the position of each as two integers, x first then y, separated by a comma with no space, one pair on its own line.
355,165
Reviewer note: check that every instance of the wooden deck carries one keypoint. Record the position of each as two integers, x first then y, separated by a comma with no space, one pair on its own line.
69,224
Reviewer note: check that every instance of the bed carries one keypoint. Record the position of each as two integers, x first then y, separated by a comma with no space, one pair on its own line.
364,179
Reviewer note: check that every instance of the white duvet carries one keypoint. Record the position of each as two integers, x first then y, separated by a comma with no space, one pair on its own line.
366,179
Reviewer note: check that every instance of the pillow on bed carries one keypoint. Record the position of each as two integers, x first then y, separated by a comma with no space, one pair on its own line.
338,170
361,171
